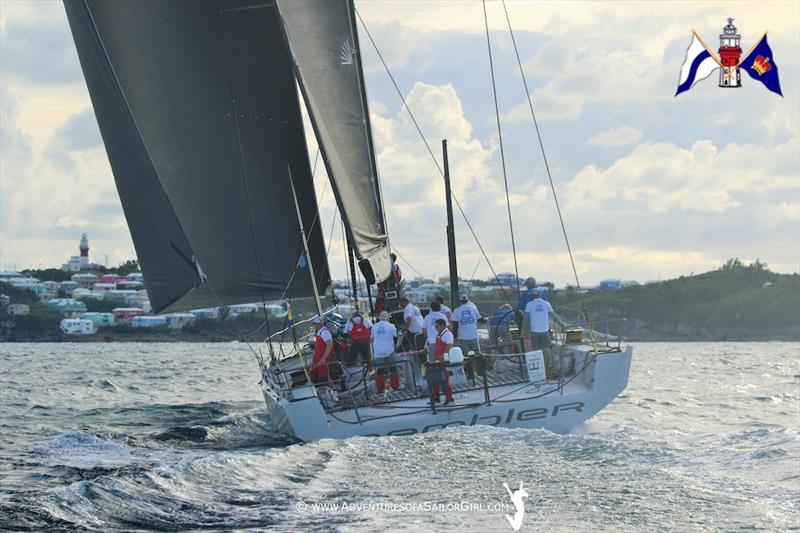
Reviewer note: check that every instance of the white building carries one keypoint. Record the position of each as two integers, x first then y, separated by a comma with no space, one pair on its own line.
178,320
84,281
18,309
68,287
78,326
211,312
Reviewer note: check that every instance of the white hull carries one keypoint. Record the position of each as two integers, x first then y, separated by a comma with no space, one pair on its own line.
525,405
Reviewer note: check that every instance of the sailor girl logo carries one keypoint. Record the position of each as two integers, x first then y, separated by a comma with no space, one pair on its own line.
701,62
517,498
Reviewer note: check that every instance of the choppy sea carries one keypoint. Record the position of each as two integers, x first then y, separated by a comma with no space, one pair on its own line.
174,437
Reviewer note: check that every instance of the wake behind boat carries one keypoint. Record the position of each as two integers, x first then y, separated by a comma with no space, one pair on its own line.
200,113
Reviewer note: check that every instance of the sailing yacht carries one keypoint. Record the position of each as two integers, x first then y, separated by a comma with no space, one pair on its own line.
200,113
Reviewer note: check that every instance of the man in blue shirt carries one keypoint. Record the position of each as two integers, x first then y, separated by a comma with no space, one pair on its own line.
499,324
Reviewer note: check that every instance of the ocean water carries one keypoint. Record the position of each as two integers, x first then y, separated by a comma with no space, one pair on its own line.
174,437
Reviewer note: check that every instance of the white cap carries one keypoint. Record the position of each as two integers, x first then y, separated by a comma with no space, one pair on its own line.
316,320
463,297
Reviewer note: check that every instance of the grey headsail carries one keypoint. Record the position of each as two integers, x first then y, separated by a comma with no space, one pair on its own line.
323,40
199,113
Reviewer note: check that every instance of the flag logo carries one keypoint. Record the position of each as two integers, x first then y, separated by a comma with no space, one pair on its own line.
701,61
761,65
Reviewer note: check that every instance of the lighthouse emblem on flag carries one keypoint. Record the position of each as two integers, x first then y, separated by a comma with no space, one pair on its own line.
701,62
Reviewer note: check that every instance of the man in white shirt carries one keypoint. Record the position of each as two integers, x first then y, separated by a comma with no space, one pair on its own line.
445,310
465,323
412,317
429,327
538,312
384,337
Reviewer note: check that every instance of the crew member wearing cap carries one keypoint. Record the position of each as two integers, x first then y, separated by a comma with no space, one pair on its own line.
538,312
323,349
465,322
384,337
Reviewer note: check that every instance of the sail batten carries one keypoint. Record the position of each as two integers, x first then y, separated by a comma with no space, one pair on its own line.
323,41
198,109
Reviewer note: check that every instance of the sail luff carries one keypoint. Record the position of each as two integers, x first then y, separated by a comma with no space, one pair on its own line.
320,38
365,109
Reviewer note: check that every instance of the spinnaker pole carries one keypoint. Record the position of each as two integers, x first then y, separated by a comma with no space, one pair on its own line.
305,243
451,233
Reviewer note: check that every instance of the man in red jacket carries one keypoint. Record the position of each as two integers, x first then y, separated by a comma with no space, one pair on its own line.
323,349
358,334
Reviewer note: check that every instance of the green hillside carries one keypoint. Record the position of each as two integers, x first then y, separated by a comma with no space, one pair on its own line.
735,302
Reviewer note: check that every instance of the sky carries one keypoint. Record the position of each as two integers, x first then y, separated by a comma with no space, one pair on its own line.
651,186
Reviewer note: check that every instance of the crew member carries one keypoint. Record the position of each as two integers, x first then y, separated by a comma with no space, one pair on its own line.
522,317
446,310
357,330
465,320
538,312
390,285
412,317
384,338
323,349
429,328
499,324
444,341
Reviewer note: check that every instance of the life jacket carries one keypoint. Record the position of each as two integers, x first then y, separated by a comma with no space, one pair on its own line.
359,332
440,348
319,367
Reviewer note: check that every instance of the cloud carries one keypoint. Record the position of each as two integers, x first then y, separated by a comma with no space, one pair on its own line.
717,177
38,49
622,136
79,133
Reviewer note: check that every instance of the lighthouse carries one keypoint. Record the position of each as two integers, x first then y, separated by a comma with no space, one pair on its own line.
729,54
84,248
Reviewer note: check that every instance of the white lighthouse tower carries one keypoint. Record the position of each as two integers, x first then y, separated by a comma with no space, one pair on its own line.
729,54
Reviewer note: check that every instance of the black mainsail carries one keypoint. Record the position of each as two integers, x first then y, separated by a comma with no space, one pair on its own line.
199,112
323,40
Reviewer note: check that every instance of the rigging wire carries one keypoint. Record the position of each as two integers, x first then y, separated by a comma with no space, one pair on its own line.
502,151
547,168
430,151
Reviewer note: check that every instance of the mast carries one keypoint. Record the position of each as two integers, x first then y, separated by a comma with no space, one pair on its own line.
305,243
451,234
